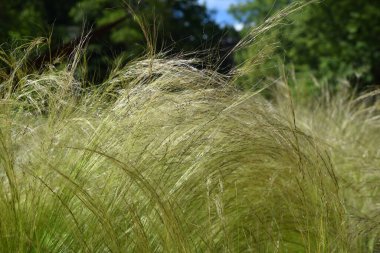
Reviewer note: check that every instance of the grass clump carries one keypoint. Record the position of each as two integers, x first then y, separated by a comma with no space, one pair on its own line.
164,157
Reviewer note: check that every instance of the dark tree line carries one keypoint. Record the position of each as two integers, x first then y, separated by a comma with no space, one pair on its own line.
116,28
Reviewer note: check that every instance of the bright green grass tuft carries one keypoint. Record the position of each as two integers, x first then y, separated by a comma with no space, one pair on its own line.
163,157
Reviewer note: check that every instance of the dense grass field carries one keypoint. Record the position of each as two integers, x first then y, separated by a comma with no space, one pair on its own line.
164,157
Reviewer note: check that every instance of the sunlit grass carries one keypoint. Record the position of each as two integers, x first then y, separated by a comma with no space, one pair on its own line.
165,157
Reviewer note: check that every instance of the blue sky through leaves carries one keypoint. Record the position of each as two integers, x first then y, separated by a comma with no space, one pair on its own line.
221,7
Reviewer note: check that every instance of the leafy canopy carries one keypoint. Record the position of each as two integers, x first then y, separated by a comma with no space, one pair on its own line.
334,39
168,25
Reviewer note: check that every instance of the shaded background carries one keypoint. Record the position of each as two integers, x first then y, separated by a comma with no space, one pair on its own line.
330,40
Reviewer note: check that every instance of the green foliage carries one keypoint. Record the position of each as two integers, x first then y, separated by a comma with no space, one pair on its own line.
120,27
333,39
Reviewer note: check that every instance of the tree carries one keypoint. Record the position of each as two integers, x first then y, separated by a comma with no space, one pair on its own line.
333,39
178,26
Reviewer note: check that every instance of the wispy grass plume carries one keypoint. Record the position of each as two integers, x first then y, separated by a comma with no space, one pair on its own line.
164,157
